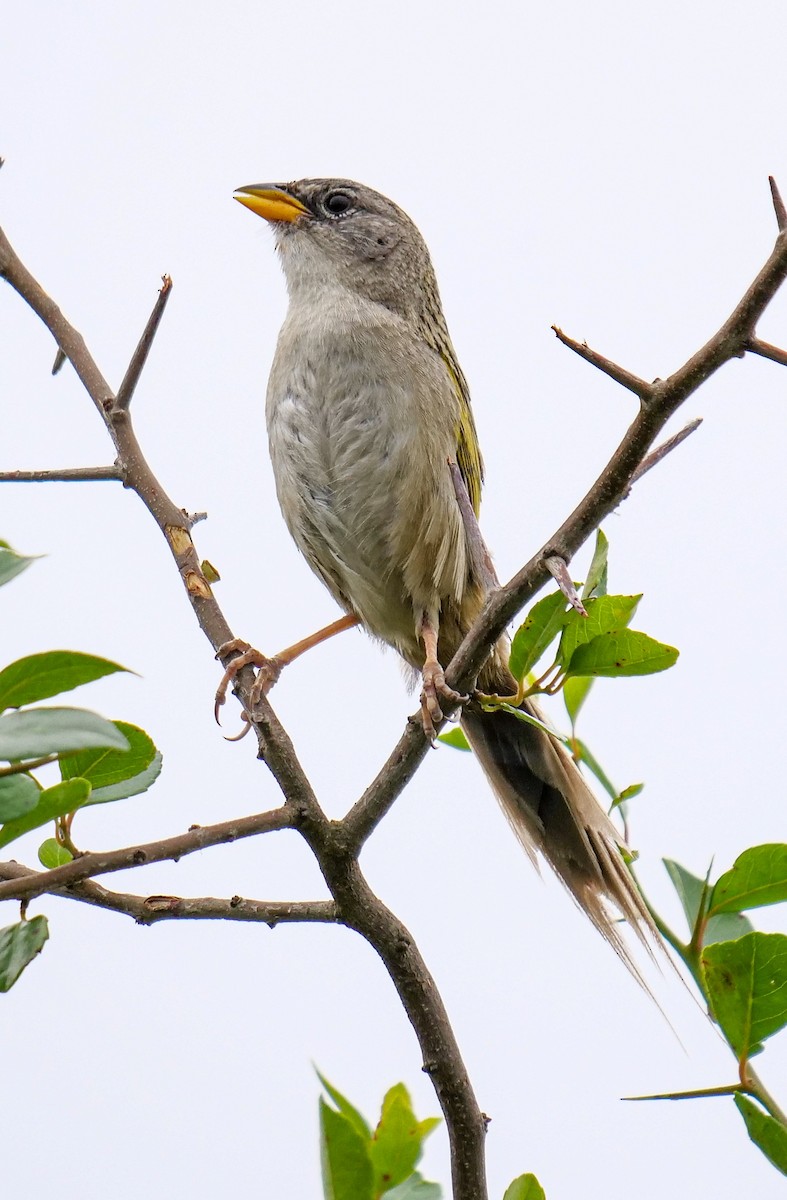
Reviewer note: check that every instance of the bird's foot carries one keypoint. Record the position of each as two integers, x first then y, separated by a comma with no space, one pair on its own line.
268,672
434,690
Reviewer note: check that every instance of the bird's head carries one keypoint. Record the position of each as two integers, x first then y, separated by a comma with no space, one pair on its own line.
336,234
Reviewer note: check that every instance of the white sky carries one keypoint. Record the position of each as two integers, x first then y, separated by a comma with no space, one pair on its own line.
603,167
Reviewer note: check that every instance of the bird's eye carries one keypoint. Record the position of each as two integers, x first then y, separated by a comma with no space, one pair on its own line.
336,204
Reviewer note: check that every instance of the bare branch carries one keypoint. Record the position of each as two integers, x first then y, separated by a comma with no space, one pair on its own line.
389,783
34,883
140,356
149,910
66,475
625,378
766,350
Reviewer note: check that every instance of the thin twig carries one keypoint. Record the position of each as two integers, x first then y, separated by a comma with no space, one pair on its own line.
149,910
625,378
665,448
34,883
140,356
766,350
731,1089
66,475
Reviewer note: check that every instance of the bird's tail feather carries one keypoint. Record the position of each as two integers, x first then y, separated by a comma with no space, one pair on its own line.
554,812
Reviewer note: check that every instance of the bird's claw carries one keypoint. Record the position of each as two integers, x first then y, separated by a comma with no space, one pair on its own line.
268,672
433,690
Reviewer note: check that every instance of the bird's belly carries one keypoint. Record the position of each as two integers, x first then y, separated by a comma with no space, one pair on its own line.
340,460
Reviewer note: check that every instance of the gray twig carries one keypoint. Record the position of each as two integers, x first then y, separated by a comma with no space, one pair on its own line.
140,355
66,475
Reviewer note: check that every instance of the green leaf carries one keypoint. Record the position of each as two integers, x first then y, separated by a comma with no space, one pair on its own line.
725,928
584,755
765,1131
39,676
11,563
397,1143
39,731
415,1188
575,693
607,614
104,766
18,795
596,582
347,1171
758,877
522,715
455,737
538,630
344,1106
53,802
51,854
622,653
128,787
629,793
19,944
525,1187
747,988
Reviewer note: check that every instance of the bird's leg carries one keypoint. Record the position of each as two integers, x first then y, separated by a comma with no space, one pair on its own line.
434,685
269,669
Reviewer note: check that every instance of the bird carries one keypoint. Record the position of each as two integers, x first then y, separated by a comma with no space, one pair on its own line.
374,449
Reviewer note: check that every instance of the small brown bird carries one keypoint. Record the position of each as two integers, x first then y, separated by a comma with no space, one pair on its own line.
370,429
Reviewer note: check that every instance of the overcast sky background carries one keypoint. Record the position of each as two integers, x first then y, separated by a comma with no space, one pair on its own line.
603,167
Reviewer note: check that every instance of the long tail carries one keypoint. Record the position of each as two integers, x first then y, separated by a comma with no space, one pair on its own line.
552,810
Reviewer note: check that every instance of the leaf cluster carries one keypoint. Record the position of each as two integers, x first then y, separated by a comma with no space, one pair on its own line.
98,761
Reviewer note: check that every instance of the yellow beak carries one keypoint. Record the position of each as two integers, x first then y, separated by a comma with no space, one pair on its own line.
271,202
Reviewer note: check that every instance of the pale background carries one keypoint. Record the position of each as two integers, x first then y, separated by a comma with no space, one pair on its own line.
603,167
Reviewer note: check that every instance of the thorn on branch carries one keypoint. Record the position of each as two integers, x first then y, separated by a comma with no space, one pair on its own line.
60,359
559,571
778,205
664,449
625,378
140,355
